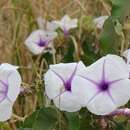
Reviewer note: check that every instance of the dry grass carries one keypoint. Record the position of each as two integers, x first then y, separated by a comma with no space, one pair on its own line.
18,19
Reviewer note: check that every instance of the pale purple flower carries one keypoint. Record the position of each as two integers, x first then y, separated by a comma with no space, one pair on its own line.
99,22
39,40
46,25
10,82
58,85
104,86
66,23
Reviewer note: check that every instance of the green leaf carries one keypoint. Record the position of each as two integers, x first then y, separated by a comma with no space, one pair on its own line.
29,121
24,129
120,127
87,121
128,126
110,40
46,119
69,53
120,9
110,37
118,28
90,55
73,121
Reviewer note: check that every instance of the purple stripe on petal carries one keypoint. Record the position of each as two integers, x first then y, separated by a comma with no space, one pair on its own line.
59,76
3,91
90,80
69,81
3,83
114,81
5,87
112,99
60,94
94,96
103,70
73,74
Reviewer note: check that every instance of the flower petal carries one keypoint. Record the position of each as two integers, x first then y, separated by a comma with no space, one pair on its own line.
115,68
100,21
85,89
32,40
101,104
14,84
5,110
120,91
6,66
66,23
71,24
67,102
95,71
53,84
64,70
65,19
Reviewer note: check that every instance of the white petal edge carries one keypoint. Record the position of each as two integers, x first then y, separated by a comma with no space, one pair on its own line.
67,102
7,66
5,110
115,68
120,91
63,69
84,89
101,104
53,84
14,84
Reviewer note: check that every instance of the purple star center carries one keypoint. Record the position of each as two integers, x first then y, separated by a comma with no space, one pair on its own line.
67,83
103,86
42,43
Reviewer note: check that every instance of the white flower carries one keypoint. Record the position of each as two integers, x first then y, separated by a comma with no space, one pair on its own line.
104,86
58,80
10,82
100,21
66,23
39,40
46,25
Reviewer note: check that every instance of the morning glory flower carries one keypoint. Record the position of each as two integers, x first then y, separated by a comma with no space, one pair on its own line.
99,22
10,82
40,40
46,25
66,23
58,80
105,85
